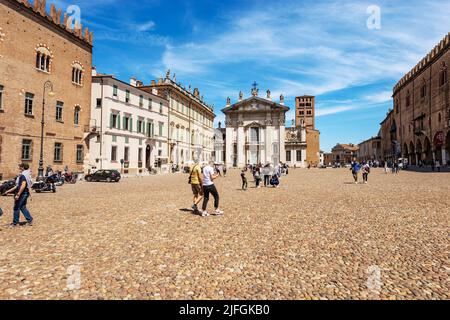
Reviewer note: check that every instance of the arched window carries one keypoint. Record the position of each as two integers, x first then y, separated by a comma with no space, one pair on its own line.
77,73
43,58
76,115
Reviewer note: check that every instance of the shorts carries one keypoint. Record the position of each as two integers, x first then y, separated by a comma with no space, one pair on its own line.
197,189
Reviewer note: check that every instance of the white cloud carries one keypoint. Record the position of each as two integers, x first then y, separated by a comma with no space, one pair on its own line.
147,26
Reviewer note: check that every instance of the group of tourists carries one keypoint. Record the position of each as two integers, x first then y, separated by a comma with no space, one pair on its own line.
21,192
202,184
267,174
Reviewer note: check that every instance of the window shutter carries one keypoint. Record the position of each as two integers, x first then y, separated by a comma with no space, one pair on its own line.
118,121
131,124
111,121
123,124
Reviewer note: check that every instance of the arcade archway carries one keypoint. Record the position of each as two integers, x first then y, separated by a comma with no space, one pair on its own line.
412,154
428,153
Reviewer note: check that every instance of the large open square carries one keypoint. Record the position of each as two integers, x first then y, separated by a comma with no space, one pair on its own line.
318,236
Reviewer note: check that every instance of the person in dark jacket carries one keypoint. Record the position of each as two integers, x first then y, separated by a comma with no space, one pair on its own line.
21,195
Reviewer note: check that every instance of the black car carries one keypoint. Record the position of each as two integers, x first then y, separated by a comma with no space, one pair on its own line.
104,175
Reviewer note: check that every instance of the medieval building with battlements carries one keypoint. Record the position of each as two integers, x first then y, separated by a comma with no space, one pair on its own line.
45,77
417,129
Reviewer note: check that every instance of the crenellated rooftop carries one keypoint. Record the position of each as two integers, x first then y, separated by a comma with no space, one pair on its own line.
62,21
435,53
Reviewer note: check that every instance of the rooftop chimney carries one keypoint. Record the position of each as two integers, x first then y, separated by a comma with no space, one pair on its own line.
133,82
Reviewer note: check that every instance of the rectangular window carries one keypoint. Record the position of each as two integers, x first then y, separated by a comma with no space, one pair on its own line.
80,154
26,150
114,138
254,135
288,156
114,153
99,103
1,97
127,96
115,91
299,155
126,123
423,91
141,101
58,152
115,121
127,140
161,129
150,129
160,107
126,154
443,78
408,101
150,102
29,97
140,126
59,111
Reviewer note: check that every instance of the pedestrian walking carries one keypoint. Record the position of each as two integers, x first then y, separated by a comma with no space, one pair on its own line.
225,170
267,174
257,177
209,188
365,172
196,182
244,180
21,195
355,168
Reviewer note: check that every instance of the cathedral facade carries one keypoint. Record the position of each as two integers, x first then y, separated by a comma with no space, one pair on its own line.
255,130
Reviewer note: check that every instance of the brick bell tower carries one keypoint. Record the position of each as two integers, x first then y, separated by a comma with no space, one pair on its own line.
305,111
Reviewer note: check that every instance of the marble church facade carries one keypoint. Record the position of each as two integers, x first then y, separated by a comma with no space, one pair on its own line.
255,130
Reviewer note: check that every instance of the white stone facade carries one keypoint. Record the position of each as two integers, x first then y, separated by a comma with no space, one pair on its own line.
127,124
255,131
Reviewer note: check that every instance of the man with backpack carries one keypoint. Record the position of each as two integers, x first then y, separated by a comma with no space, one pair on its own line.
195,180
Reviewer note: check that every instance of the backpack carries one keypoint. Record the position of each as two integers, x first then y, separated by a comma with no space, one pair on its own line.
190,176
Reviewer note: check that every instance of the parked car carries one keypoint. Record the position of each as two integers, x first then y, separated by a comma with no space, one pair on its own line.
104,175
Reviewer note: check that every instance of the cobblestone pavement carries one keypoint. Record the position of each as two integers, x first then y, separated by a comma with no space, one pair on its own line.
316,237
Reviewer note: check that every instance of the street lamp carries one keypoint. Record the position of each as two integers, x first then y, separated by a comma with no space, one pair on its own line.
47,85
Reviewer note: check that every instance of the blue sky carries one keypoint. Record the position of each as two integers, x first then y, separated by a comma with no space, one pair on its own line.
321,48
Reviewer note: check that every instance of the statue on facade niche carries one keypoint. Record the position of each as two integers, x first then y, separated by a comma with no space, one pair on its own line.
168,74
174,77
241,95
268,94
228,101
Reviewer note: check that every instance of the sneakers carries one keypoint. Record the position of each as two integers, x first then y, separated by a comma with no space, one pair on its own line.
205,214
30,223
218,213
12,226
